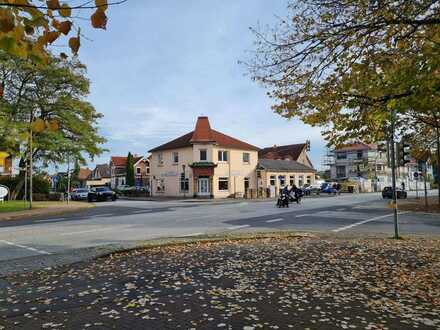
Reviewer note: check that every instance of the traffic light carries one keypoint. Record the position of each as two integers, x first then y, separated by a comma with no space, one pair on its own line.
383,147
404,153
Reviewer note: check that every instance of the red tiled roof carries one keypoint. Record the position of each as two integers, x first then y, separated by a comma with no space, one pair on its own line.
355,146
84,173
204,133
118,161
291,151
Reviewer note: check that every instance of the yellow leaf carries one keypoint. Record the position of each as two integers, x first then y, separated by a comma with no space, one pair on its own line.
38,125
53,4
102,4
51,36
99,19
65,10
53,125
65,27
74,44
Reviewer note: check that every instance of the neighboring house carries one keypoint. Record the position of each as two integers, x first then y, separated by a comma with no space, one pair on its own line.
100,176
84,175
295,152
361,161
203,163
6,164
118,170
277,173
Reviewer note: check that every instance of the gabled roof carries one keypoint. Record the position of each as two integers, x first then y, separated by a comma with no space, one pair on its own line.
203,133
84,173
283,165
101,171
291,151
119,161
355,147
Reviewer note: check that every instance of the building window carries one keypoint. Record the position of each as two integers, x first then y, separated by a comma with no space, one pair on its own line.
138,170
246,157
148,170
203,155
341,155
309,179
160,158
222,156
223,184
292,180
272,180
184,185
301,181
340,172
175,157
359,154
282,179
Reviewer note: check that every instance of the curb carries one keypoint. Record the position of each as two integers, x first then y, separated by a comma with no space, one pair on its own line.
47,212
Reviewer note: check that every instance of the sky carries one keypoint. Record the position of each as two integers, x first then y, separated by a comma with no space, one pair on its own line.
160,64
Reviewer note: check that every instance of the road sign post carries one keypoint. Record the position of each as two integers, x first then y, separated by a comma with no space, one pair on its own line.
393,172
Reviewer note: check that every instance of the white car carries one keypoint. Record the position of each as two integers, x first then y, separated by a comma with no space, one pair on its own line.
125,187
79,194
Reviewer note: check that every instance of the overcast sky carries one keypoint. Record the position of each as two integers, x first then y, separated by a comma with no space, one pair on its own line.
160,64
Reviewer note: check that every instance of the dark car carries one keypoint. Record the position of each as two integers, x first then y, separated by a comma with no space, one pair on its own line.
100,194
387,192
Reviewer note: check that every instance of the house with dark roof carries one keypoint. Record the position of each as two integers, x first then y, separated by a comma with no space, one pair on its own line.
100,176
203,163
295,152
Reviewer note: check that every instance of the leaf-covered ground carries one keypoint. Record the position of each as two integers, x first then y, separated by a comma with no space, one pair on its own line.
277,283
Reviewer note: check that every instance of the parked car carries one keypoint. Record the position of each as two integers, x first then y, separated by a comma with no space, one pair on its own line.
125,187
309,189
79,194
327,188
100,194
387,192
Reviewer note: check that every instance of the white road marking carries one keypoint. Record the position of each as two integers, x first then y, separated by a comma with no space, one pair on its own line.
275,220
25,247
85,231
365,221
238,227
189,235
103,215
50,220
302,215
141,211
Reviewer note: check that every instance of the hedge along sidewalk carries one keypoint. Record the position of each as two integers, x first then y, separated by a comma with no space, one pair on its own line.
45,209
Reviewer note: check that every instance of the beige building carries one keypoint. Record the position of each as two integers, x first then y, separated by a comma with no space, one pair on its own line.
274,174
203,163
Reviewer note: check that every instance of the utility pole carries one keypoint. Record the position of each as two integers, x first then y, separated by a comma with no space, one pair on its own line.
31,156
393,173
424,179
68,178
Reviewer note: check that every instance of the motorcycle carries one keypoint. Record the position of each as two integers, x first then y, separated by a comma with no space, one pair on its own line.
295,195
283,200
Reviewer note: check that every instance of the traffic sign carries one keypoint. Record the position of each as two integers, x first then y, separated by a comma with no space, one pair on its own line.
4,192
416,175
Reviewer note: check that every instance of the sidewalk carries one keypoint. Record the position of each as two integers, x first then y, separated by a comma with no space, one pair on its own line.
270,283
46,209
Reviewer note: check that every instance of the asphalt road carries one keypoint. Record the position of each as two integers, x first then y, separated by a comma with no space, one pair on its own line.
125,222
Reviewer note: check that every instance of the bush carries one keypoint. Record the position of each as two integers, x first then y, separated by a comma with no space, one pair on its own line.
41,185
39,197
55,197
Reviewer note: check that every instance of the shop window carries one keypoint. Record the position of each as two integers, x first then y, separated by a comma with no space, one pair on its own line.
309,179
184,185
222,156
292,180
246,184
272,180
223,184
203,155
282,179
301,181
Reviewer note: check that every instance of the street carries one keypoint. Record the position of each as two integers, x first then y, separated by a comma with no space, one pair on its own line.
126,222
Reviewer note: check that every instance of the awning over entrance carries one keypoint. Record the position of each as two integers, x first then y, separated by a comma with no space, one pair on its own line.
203,169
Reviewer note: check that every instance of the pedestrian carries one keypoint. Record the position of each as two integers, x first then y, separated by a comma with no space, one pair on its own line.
338,188
403,186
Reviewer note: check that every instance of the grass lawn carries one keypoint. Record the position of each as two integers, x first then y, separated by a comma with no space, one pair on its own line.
12,206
